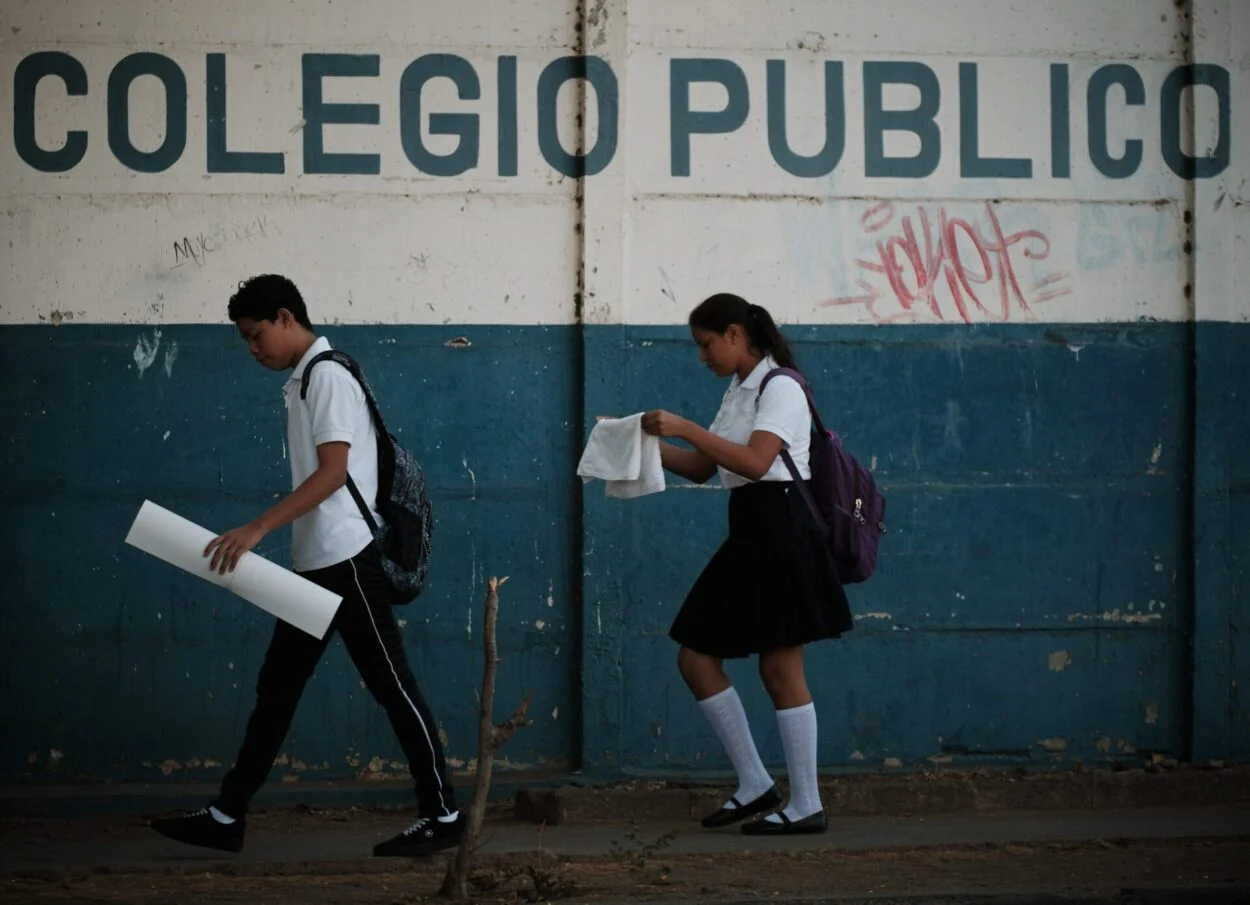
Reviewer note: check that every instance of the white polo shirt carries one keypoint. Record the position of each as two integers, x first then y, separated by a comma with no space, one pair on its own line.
333,410
782,411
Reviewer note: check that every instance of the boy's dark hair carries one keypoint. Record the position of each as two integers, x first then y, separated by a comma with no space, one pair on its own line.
260,298
719,311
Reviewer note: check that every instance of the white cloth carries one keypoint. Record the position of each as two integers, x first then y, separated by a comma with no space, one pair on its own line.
781,410
334,410
621,454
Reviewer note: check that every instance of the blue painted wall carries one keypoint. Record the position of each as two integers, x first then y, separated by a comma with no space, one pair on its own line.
1046,484
122,663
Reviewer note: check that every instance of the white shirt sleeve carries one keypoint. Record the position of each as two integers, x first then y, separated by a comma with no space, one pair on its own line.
783,410
334,400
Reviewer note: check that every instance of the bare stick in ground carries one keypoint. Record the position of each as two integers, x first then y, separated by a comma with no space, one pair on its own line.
490,739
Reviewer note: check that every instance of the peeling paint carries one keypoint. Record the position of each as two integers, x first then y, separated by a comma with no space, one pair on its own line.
880,616
55,318
1103,744
171,355
892,761
145,352
1054,745
1115,616
1152,713
169,766
1058,661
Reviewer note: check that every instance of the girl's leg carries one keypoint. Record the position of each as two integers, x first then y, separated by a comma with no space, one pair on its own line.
782,672
720,703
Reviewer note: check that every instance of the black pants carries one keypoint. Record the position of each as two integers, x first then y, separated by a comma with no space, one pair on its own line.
367,623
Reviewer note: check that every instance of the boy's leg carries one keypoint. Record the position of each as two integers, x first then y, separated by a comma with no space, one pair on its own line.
292,657
289,662
374,641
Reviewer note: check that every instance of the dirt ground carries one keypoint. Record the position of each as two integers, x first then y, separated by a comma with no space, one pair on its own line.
642,873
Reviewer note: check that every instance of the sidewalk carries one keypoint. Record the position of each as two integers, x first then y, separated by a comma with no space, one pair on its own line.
947,841
278,843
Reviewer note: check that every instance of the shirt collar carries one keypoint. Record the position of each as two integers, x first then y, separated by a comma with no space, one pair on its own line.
756,377
321,344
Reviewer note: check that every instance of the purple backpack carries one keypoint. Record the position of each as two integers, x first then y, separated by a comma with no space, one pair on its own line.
843,497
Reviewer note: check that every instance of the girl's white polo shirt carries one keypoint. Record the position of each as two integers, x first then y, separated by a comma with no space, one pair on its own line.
782,410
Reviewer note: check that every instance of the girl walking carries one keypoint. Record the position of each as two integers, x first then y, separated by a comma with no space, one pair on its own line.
772,586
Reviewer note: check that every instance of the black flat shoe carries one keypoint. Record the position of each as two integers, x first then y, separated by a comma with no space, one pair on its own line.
817,823
769,801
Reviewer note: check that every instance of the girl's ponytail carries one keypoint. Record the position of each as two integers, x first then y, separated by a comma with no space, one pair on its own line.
767,336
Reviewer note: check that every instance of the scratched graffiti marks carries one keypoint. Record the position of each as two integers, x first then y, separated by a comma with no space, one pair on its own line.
931,265
196,249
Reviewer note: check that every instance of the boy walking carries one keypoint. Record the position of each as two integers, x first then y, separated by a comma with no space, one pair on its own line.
330,434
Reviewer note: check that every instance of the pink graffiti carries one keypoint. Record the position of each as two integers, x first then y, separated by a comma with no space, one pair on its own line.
950,270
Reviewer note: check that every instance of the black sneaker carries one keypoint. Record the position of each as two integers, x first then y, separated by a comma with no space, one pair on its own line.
424,837
202,829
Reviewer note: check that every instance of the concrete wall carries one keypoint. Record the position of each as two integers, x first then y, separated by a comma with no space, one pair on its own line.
1010,243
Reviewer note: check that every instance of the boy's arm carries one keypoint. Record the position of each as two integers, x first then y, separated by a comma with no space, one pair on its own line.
331,474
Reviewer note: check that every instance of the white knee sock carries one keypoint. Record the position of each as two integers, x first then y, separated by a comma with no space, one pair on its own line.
724,711
798,737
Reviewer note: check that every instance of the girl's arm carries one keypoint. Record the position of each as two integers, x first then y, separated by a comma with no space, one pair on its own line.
687,463
751,461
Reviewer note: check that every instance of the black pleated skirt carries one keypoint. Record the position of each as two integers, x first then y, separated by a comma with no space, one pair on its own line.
771,584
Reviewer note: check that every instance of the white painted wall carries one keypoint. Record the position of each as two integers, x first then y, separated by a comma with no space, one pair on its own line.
102,243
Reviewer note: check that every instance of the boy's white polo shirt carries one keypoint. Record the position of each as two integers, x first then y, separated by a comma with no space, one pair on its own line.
334,410
781,410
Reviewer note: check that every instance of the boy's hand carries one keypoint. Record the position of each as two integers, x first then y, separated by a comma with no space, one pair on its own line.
228,548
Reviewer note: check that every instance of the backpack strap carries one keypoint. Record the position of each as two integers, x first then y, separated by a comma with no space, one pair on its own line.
802,485
354,369
802,382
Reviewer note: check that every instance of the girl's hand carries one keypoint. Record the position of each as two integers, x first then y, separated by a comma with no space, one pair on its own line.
660,423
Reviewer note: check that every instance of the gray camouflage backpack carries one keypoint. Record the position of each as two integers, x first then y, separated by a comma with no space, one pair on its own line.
407,516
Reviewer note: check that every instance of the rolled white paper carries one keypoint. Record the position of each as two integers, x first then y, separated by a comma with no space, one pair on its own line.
179,542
